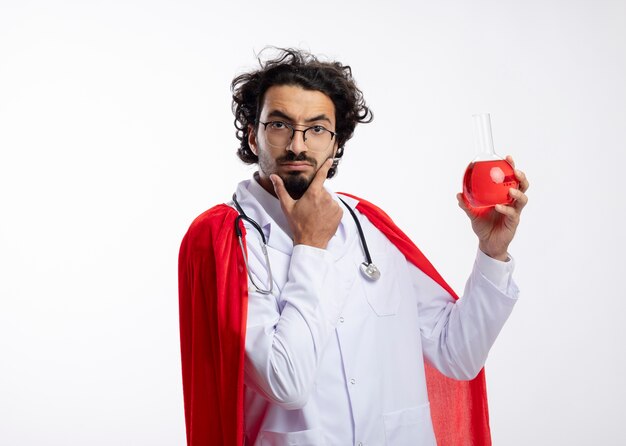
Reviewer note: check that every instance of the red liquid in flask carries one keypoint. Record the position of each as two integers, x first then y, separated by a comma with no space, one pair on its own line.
487,183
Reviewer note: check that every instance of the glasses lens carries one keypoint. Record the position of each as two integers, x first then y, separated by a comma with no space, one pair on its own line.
278,134
316,138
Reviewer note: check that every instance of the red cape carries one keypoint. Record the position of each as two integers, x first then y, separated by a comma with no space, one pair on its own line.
213,293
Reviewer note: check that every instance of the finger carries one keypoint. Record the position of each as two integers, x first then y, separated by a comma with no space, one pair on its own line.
510,160
463,204
520,198
509,212
461,199
521,176
321,174
281,192
523,181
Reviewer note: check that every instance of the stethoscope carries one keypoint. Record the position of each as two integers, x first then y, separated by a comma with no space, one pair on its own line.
368,269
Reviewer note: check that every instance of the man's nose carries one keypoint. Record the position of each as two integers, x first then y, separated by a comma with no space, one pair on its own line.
297,144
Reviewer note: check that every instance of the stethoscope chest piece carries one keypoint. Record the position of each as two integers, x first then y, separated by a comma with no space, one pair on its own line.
370,271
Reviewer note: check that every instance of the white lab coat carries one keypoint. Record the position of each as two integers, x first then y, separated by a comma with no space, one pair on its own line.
335,359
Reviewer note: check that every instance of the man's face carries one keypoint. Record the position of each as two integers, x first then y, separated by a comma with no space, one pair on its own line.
295,163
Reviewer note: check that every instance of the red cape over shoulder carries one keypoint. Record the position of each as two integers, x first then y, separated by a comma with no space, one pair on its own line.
213,300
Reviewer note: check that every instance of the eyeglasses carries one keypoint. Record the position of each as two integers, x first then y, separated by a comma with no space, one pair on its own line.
280,134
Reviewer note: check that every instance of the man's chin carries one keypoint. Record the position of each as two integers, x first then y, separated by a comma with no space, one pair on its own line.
296,184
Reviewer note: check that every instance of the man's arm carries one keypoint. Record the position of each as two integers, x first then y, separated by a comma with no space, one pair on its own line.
286,334
457,335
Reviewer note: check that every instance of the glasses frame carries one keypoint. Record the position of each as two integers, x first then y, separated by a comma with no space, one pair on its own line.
294,130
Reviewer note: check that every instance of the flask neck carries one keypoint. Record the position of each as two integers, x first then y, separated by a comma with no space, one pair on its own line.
483,139
487,155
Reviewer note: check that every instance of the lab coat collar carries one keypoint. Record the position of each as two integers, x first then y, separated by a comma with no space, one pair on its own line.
265,209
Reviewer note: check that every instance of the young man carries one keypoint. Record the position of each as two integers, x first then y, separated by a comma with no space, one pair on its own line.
339,332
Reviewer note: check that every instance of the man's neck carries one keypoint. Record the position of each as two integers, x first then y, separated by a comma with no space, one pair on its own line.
265,183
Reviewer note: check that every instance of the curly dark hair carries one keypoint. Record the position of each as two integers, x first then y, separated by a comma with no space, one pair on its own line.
301,68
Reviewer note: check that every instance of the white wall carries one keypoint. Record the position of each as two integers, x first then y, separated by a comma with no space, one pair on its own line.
116,131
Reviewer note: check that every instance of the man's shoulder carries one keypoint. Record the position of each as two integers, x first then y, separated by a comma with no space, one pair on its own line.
213,217
364,206
383,222
210,224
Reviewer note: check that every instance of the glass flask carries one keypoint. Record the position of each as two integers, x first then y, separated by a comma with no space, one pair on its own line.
488,177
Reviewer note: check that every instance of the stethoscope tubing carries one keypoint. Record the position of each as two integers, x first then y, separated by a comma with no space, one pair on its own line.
366,251
369,270
242,216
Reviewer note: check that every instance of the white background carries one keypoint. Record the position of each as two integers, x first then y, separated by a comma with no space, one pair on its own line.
116,131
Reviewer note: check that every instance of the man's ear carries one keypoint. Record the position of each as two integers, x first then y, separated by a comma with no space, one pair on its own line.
252,140
333,169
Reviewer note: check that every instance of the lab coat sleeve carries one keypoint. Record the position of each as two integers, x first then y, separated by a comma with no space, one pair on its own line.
287,331
457,335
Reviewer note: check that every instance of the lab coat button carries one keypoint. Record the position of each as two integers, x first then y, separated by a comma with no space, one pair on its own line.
341,319
353,381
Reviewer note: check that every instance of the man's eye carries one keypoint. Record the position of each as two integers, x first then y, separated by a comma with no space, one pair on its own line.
278,125
318,129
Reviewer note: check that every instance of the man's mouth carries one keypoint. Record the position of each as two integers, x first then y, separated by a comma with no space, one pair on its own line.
296,165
